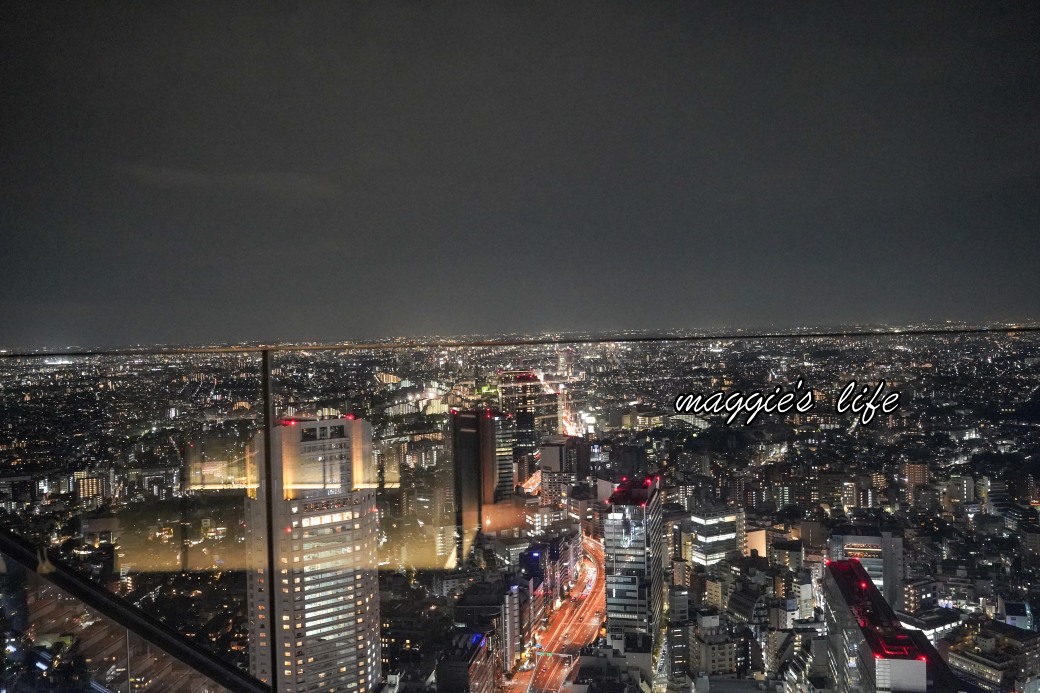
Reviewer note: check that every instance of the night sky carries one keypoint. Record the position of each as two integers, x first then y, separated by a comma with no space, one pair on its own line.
206,172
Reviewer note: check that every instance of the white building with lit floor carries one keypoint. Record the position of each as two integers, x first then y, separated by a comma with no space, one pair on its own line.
325,622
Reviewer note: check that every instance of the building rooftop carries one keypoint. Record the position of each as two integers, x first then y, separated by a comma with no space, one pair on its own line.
1015,609
1013,633
464,645
932,618
634,490
788,545
858,530
883,632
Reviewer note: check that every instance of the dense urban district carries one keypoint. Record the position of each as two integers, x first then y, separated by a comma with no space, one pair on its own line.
529,517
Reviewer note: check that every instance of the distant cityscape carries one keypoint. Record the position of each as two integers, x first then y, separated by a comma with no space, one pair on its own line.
527,514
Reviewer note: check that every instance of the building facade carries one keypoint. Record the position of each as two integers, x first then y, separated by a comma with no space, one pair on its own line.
881,554
481,451
634,547
868,650
712,533
325,622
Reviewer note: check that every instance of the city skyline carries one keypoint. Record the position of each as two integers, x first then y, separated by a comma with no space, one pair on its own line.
504,485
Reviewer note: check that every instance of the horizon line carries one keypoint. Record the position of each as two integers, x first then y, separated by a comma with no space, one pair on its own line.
545,339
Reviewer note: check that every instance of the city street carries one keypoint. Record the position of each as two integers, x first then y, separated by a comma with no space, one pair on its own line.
575,624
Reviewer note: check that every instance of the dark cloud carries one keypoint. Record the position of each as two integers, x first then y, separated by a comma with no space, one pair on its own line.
208,171
264,183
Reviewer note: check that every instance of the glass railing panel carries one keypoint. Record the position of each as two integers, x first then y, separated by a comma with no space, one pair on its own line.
479,453
55,642
135,471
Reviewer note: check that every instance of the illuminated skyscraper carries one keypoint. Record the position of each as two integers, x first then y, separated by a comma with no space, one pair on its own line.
537,409
713,533
325,623
633,544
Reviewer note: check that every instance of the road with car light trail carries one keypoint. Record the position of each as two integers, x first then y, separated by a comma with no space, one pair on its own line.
574,625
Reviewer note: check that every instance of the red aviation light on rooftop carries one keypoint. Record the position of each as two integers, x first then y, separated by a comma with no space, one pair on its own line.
288,422
923,658
349,417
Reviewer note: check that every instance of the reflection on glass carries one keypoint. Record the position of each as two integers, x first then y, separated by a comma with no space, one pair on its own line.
54,642
134,470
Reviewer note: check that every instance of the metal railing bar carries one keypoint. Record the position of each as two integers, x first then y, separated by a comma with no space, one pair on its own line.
272,607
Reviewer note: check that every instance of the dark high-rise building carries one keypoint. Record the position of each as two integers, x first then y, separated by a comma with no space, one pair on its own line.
628,460
482,442
571,455
469,664
562,461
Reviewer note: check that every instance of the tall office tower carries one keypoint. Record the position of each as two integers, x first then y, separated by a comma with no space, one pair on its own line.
557,465
867,648
505,466
325,623
712,533
849,496
537,409
914,475
481,450
634,547
390,457
830,487
880,552
565,361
